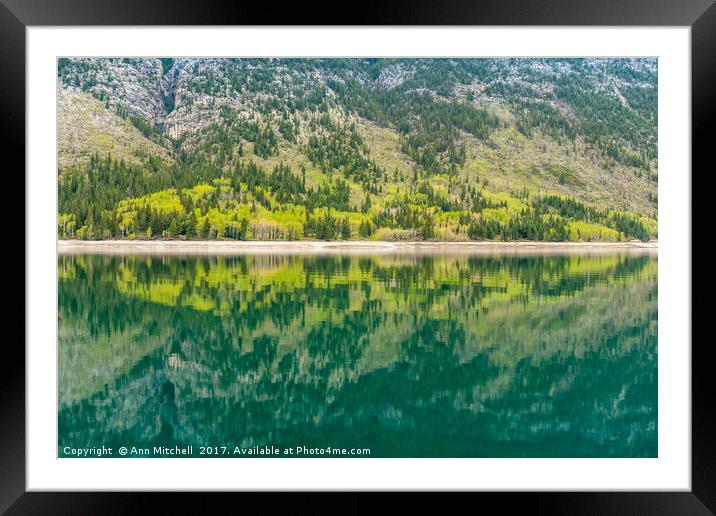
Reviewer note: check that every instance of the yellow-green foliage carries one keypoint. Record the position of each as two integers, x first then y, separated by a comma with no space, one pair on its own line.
587,232
498,214
199,191
163,201
513,203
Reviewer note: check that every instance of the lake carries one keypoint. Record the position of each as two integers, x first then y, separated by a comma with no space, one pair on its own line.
382,355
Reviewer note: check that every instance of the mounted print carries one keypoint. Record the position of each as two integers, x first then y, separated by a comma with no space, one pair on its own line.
360,258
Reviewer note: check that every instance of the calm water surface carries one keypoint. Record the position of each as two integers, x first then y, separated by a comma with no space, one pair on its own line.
409,356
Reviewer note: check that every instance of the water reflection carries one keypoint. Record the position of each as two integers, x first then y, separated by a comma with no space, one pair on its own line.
411,356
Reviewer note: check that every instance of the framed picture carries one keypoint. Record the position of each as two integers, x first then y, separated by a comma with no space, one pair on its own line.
447,248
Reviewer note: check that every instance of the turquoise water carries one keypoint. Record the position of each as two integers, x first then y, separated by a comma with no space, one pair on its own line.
381,356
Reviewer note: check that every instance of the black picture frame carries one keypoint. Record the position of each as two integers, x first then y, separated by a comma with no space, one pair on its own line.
700,15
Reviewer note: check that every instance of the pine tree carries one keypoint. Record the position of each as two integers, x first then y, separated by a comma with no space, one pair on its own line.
345,229
365,229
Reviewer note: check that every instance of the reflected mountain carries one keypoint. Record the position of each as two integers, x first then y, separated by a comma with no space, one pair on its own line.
410,356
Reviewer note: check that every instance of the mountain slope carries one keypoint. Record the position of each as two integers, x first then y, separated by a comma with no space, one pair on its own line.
86,127
447,149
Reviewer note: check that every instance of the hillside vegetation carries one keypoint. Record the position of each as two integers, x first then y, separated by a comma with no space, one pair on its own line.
386,149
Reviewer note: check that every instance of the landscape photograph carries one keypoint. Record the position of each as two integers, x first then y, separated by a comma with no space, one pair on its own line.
357,257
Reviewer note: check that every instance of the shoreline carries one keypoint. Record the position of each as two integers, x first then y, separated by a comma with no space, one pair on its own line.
228,247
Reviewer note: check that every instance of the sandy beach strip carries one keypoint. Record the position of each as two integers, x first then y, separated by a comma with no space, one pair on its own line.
229,247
